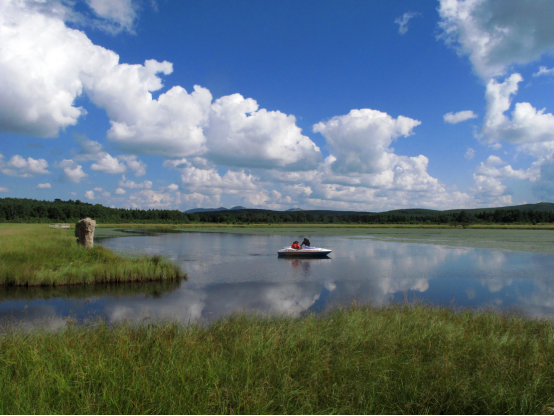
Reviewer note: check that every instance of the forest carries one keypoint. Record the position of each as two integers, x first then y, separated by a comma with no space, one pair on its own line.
19,210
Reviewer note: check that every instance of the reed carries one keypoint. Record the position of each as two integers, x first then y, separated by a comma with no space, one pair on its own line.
398,359
35,255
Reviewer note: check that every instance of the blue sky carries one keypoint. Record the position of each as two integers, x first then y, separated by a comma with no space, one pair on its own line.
278,104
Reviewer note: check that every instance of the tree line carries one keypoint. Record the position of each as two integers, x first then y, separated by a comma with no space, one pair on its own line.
31,210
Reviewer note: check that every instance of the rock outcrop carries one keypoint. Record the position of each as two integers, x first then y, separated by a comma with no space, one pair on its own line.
84,231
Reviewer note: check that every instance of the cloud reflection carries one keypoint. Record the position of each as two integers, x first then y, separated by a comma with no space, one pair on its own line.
230,273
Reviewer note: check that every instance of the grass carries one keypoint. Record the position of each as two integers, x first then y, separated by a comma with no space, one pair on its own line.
36,255
399,359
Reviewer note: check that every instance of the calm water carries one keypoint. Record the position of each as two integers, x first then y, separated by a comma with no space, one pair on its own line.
230,272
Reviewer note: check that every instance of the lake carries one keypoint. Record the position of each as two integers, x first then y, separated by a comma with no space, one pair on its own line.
241,272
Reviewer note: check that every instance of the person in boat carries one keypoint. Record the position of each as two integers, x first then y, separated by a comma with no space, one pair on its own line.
296,246
305,243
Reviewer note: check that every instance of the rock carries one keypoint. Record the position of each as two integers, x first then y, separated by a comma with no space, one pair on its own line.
84,231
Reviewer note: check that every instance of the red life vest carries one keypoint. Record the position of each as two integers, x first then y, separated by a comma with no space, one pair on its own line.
296,246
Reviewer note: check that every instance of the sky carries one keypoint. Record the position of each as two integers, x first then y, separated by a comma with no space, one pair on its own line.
341,105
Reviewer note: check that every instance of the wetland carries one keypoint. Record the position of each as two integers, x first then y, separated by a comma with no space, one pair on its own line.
394,321
234,269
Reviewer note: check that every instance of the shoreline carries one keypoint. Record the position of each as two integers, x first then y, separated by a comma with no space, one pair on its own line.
534,240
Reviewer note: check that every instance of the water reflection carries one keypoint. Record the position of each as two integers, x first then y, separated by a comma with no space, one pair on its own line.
230,272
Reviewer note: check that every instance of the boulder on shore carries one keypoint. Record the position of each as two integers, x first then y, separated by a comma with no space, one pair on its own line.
84,231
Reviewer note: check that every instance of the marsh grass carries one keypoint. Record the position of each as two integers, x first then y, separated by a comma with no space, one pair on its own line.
399,359
35,255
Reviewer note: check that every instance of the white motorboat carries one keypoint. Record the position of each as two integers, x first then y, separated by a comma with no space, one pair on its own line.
303,252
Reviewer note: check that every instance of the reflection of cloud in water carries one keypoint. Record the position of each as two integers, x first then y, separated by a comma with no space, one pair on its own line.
40,316
291,299
215,301
488,259
229,274
182,306
402,285
496,285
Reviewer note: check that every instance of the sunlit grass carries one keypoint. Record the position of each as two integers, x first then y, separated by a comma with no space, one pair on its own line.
34,255
400,359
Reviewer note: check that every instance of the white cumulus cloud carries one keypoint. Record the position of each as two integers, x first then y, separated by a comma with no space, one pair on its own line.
119,14
45,66
72,171
489,176
239,133
104,162
470,153
19,166
133,185
120,191
458,117
360,140
527,124
544,71
108,164
402,21
496,34
44,186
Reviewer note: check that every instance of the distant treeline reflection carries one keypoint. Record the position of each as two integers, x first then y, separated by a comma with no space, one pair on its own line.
30,210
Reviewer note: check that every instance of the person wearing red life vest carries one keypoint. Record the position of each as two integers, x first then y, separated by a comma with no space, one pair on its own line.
295,245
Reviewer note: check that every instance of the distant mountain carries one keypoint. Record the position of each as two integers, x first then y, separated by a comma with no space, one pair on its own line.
409,212
191,211
541,206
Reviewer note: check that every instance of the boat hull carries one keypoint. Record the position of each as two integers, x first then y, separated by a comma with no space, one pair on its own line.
322,252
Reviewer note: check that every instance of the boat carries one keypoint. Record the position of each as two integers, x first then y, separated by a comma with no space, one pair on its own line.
304,252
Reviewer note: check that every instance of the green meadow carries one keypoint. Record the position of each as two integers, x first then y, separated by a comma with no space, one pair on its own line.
36,255
399,359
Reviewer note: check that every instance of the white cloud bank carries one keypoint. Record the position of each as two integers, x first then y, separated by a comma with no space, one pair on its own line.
45,66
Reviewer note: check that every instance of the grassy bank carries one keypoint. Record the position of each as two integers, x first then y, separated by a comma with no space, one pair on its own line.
36,255
395,360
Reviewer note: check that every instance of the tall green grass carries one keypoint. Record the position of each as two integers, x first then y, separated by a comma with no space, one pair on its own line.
35,255
400,359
